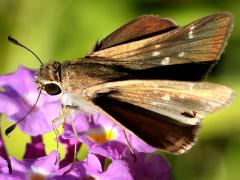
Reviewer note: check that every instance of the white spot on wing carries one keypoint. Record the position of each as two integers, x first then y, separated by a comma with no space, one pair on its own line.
157,46
181,54
192,27
190,34
166,97
165,61
156,53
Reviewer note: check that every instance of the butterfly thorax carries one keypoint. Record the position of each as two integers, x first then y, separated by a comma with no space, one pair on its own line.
83,73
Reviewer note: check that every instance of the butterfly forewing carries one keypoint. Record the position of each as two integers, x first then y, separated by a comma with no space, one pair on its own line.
142,27
184,102
200,41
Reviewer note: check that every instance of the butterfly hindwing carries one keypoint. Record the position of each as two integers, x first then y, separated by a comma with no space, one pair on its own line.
166,114
156,130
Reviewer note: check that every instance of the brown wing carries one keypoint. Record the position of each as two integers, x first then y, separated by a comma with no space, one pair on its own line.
166,114
143,26
158,132
201,41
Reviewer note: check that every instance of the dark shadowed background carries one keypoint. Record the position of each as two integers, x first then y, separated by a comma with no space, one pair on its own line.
60,30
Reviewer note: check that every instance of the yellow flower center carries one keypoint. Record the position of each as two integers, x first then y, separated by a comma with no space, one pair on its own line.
102,135
37,176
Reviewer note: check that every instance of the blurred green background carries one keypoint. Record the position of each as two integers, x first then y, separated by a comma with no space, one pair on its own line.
60,30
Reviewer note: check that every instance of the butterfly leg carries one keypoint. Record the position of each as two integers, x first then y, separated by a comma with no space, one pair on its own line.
130,146
75,145
56,135
65,112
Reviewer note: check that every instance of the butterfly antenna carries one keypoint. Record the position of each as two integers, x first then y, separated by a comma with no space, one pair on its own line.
12,127
14,41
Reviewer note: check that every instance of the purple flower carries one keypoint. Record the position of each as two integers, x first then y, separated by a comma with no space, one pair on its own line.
148,166
38,168
44,168
91,168
69,151
18,94
35,149
103,136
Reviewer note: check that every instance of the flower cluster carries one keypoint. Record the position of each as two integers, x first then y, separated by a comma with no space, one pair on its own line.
105,140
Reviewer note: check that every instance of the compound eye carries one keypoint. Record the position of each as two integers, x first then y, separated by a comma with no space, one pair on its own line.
52,89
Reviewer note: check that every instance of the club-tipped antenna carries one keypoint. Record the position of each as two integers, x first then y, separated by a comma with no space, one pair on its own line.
12,127
14,41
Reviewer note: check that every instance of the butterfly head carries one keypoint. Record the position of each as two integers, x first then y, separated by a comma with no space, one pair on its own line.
49,78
